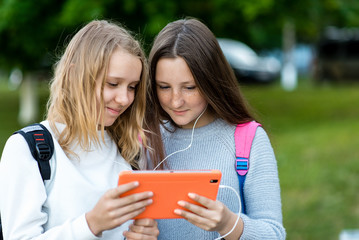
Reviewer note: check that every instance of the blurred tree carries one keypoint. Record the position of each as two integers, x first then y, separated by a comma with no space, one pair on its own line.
28,32
310,17
32,32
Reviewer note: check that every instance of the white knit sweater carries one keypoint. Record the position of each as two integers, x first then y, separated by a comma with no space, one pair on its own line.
31,209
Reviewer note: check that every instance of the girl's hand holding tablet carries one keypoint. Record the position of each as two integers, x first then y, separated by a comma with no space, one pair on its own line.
112,210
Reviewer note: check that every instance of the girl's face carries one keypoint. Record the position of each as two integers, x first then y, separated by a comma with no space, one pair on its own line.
124,73
178,94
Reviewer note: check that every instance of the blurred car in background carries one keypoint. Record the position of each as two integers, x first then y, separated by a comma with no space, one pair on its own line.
247,65
337,55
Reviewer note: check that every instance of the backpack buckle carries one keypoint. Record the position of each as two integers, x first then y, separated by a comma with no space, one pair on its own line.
43,151
242,166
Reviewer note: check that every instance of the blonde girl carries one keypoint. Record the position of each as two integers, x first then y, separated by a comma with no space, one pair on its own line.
95,114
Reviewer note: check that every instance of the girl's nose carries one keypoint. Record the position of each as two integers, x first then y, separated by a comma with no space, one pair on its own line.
177,99
122,97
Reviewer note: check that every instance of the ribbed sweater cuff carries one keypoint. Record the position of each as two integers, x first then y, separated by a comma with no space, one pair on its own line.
81,229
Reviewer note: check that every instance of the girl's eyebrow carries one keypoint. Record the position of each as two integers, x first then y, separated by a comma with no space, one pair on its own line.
161,82
120,79
114,78
187,82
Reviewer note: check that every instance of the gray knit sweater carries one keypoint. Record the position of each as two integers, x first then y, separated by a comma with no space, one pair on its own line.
213,148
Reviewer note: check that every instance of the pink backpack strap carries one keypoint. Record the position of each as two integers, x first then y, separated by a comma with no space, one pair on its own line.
243,137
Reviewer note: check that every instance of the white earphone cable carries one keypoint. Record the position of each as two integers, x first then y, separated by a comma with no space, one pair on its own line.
181,150
220,186
239,211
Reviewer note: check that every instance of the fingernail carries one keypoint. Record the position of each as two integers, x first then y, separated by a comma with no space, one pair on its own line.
181,203
177,211
191,195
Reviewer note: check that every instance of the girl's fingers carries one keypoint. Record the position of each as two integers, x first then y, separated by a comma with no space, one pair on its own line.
134,236
142,229
208,203
121,189
132,207
112,211
205,222
134,198
117,202
147,222
146,230
195,212
199,210
192,218
124,218
208,218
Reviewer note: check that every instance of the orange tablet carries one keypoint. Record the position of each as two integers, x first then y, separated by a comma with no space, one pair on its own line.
169,187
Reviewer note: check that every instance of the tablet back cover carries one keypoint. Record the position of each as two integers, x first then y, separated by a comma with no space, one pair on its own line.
169,187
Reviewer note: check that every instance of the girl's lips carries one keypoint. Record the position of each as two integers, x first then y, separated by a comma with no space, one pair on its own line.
113,111
179,112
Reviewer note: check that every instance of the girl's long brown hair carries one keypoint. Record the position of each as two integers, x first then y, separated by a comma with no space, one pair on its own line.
192,40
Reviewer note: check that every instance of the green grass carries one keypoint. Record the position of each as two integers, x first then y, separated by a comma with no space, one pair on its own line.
314,132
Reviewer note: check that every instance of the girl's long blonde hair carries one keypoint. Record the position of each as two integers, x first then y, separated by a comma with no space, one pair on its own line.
73,98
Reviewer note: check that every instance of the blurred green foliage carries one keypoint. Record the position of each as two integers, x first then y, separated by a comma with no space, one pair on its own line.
32,32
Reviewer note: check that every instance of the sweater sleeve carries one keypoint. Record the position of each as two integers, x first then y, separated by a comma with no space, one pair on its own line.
22,196
262,193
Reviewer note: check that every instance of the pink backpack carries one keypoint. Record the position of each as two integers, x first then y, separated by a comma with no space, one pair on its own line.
243,137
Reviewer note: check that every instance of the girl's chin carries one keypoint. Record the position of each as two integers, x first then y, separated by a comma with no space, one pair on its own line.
183,124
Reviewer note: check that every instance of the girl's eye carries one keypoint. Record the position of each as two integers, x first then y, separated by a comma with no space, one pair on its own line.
163,87
132,87
190,87
112,84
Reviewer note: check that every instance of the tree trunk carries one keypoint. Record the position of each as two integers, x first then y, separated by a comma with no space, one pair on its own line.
289,71
29,100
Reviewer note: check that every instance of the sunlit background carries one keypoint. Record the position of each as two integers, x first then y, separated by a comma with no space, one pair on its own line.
297,63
